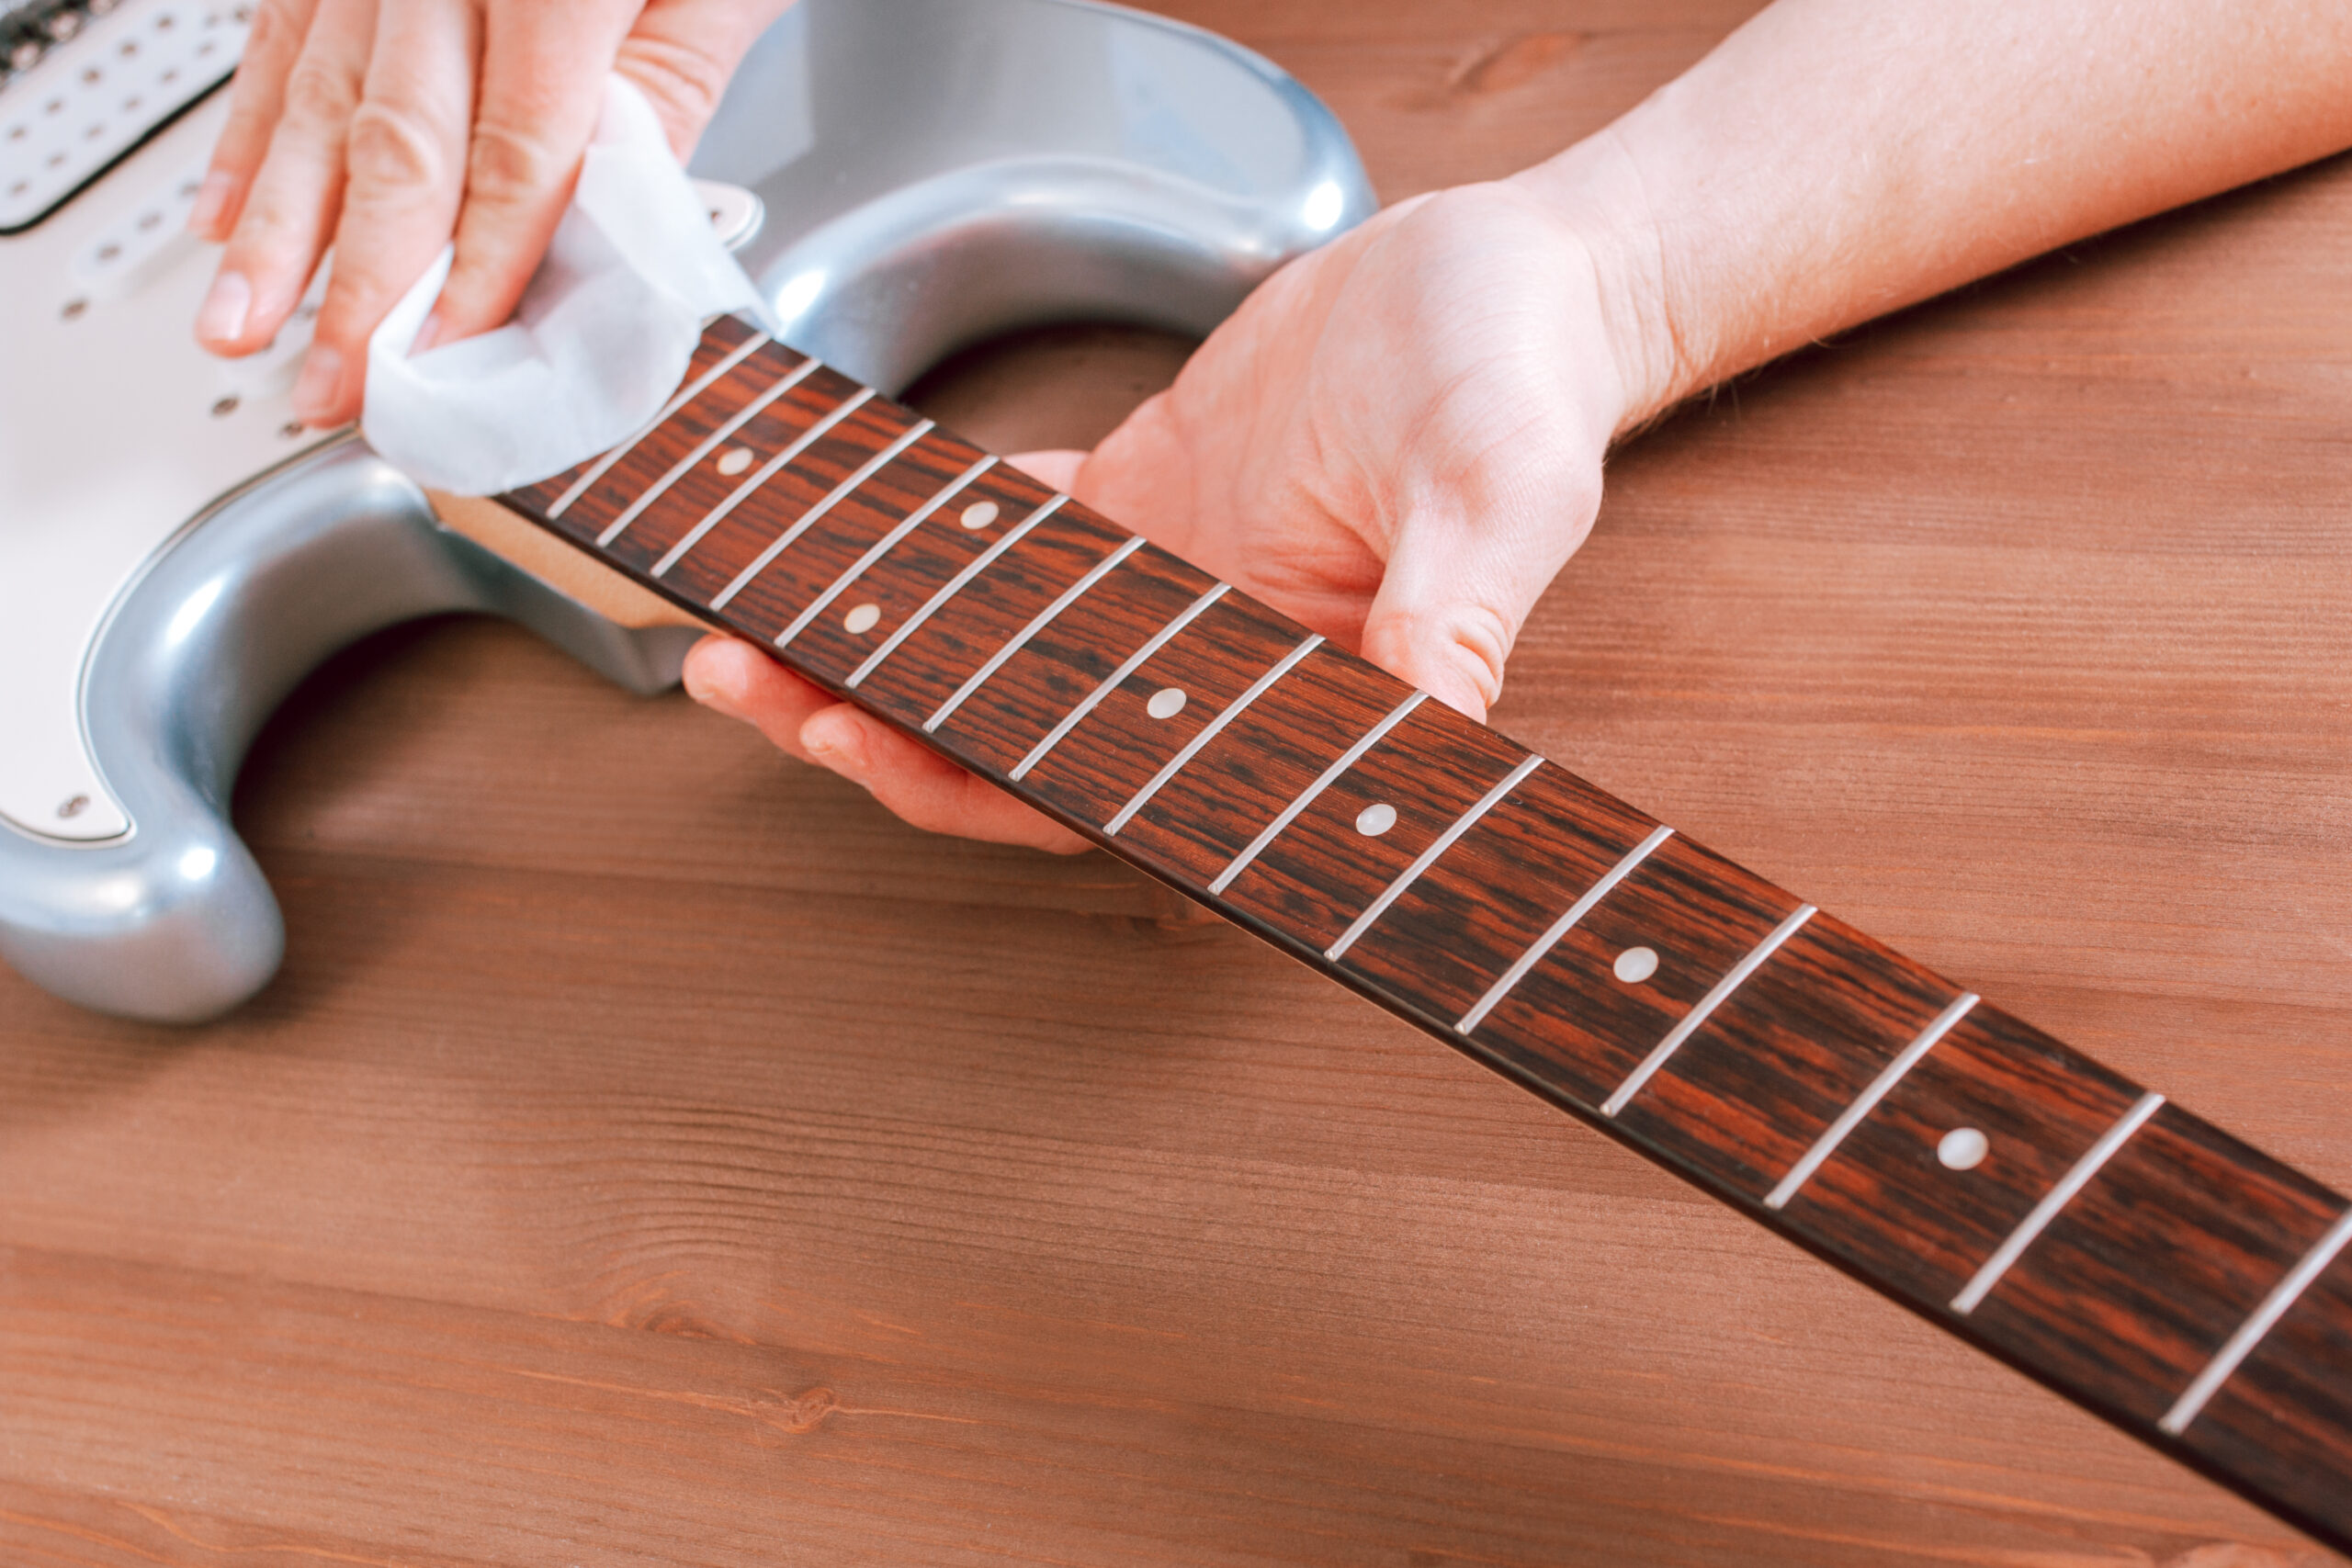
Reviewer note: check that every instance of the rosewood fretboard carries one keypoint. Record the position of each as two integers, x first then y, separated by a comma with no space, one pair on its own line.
2178,1282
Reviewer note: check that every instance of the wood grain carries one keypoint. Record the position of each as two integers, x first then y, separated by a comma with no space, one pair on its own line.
612,1048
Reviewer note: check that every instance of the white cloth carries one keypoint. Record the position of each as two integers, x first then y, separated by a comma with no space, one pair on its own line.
601,340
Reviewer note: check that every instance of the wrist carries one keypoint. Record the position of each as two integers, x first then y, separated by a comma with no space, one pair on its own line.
1596,190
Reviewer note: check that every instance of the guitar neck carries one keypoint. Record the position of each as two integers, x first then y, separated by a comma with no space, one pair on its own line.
2171,1279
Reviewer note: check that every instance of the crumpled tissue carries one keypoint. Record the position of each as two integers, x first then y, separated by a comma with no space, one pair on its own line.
601,340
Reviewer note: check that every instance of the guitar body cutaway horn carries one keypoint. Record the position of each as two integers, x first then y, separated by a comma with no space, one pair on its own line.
176,553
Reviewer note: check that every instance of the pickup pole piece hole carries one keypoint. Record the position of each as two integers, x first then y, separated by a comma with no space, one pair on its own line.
980,513
1636,964
734,460
1963,1149
1166,702
862,619
1375,819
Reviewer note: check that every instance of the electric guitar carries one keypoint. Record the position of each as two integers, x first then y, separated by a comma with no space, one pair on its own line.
2169,1278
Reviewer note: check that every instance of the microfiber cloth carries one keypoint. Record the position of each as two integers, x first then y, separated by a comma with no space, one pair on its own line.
601,340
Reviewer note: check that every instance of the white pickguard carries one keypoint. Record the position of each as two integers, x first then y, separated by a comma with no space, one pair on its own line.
115,429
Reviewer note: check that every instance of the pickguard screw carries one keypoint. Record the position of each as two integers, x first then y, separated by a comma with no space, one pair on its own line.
75,309
292,429
74,807
225,407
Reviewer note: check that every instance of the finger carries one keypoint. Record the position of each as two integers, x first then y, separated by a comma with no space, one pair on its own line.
296,197
1465,572
681,53
256,100
928,791
732,677
1057,465
405,172
923,788
543,69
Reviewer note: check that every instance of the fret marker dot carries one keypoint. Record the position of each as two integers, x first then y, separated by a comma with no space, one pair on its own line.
1375,819
1963,1149
1166,702
980,515
862,619
1636,964
734,460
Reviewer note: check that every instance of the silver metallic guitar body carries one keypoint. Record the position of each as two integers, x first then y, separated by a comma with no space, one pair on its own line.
175,553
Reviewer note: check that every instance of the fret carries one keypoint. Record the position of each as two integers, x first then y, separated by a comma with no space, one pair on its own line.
1307,796
1762,1077
2280,1424
1172,697
1887,1203
2137,1259
1427,857
2012,1248
1116,678
1851,1117
1038,688
701,449
1536,950
884,545
750,487
955,585
696,386
817,513
1251,769
1209,732
2257,1327
1715,997
1038,622
1314,879
2138,1279
1030,687
1631,970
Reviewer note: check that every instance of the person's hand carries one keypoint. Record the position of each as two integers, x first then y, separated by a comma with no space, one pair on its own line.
386,127
1397,440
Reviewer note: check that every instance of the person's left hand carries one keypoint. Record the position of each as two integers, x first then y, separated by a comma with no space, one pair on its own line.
1397,440
387,127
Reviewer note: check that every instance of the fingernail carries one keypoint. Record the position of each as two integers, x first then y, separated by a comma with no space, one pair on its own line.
704,689
834,743
321,384
211,198
426,335
222,321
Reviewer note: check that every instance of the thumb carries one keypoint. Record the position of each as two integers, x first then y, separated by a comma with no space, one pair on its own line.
1455,595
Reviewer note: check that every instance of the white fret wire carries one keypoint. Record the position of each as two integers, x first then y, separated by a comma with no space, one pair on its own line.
883,546
1045,618
1412,873
808,519
743,492
980,564
1714,998
2055,1200
708,444
1851,1117
1347,759
2251,1332
1544,945
1231,711
1111,682
604,465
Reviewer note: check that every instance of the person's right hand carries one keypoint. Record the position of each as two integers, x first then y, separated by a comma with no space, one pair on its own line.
388,128
1397,440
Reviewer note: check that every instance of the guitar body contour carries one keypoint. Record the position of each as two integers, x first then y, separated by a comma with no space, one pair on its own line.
932,172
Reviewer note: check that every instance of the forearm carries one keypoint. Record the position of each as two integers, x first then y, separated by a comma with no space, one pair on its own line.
1836,159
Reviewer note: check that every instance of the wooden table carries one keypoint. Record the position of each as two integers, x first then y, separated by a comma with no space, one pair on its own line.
653,1153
